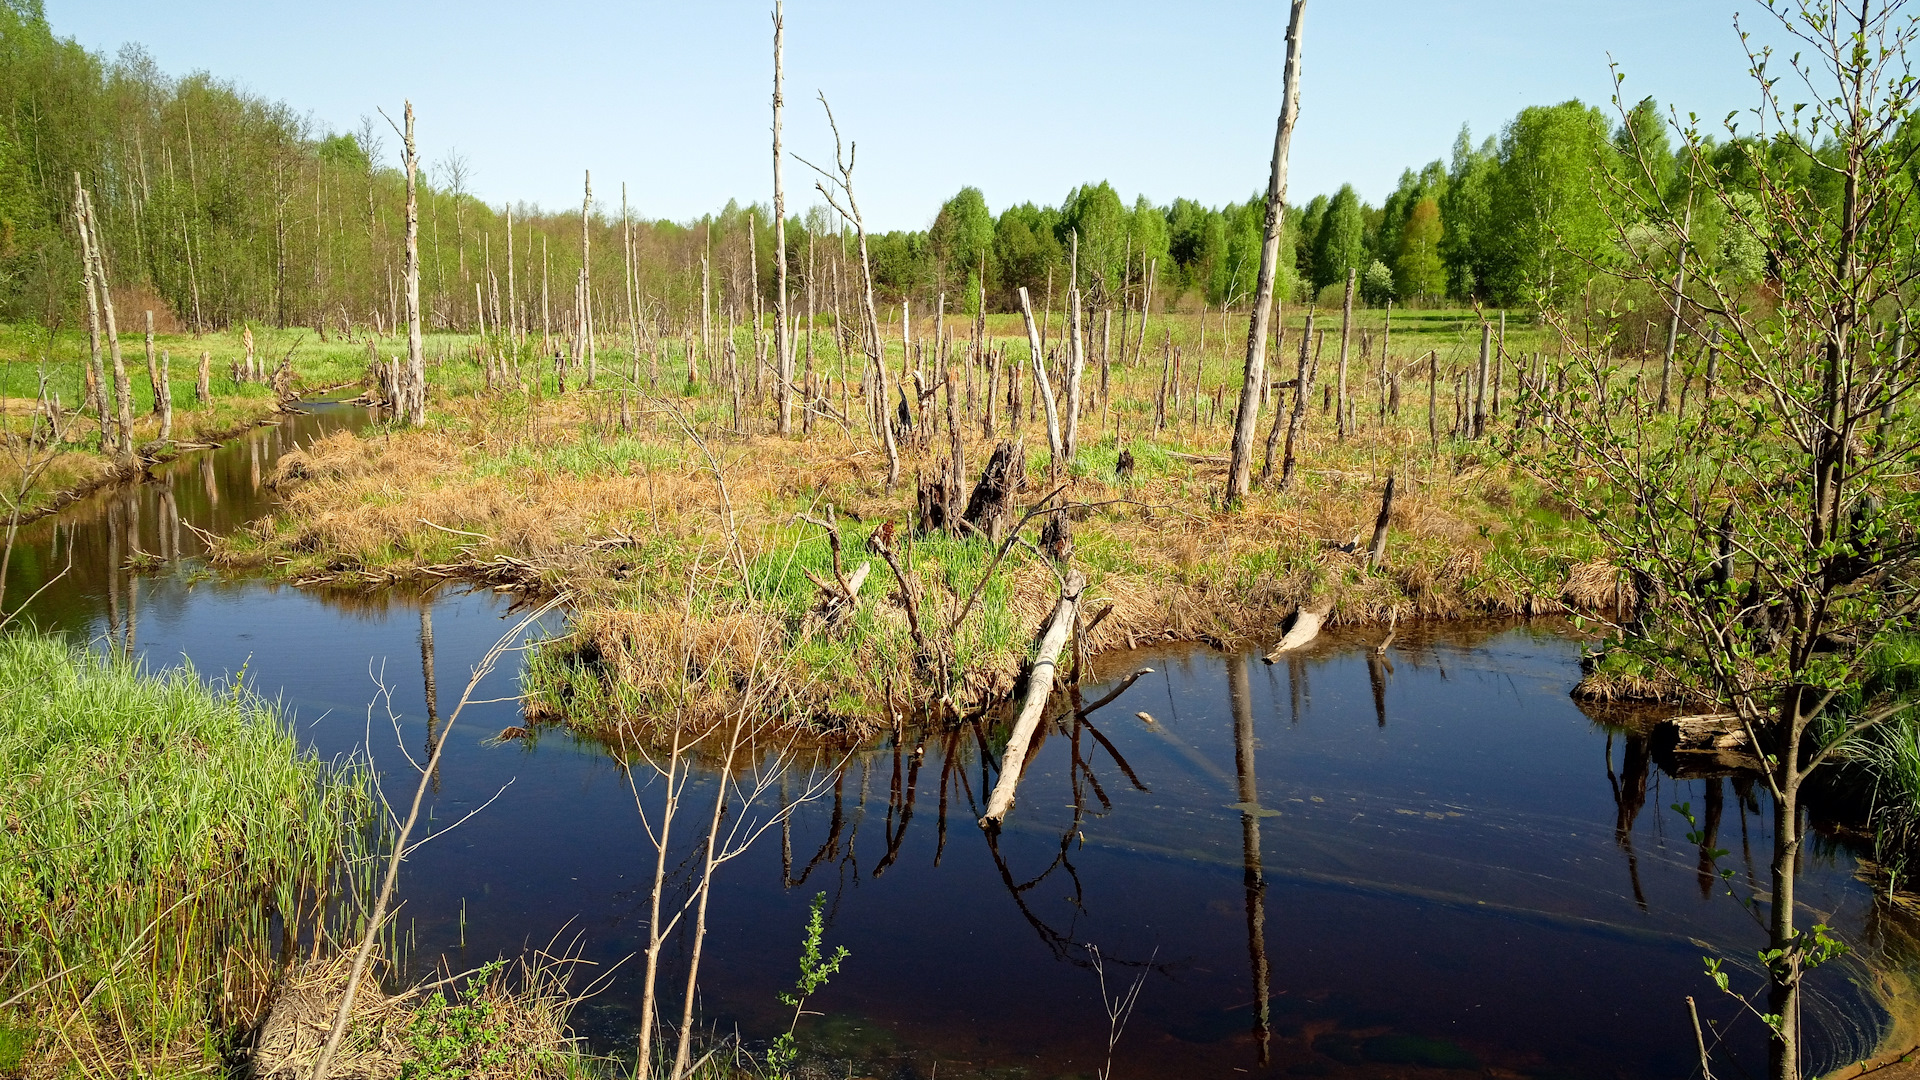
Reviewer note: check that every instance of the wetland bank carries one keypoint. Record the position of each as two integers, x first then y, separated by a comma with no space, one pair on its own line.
1468,635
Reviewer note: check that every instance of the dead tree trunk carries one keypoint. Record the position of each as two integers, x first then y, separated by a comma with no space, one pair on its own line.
1302,397
1253,385
1679,292
163,398
1070,435
586,277
153,366
96,370
203,388
1039,687
416,350
1346,324
122,388
1480,381
782,345
1040,380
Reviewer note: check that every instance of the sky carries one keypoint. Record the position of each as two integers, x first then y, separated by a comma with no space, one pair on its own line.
1023,100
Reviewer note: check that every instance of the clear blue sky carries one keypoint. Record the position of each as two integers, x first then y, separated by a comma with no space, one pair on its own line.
1023,100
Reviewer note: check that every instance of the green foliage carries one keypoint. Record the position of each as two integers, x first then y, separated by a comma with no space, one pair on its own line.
962,237
1096,215
1376,285
815,970
1547,218
1340,245
452,1041
1466,207
1418,272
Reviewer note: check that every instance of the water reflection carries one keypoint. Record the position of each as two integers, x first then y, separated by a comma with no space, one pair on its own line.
96,551
1309,888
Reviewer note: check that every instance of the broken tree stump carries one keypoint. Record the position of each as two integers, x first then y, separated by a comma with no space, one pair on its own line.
990,509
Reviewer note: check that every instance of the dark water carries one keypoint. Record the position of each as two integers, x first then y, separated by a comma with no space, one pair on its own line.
1431,859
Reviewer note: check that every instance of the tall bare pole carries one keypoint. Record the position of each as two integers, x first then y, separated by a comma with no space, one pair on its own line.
1346,331
782,346
416,351
513,301
586,275
633,294
1077,358
1239,473
122,388
1679,293
96,371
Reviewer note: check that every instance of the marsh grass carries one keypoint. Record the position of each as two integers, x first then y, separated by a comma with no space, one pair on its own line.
523,487
163,843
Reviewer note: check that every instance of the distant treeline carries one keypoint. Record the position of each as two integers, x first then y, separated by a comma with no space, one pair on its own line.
218,207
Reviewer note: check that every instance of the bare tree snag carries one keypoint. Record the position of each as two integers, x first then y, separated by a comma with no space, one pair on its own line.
153,366
1040,380
416,349
782,345
163,398
96,370
1040,680
1070,433
1253,385
1302,397
1679,293
1479,420
122,388
1377,551
1346,325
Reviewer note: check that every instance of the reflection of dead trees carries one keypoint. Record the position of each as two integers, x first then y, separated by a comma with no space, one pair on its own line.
900,804
432,693
1629,797
1710,835
1255,880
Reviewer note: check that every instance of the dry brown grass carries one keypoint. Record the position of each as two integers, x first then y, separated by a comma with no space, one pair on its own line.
547,496
497,1028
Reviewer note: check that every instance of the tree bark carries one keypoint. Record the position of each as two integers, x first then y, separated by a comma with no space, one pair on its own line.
1253,385
416,349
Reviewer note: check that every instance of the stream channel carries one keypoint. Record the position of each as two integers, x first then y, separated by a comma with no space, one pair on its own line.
1344,864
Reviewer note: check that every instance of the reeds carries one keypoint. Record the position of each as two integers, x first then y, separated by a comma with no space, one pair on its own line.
165,847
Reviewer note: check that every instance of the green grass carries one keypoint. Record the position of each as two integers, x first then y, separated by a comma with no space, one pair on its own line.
158,833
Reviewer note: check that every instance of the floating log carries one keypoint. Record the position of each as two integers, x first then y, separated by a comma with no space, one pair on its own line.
1707,744
1307,620
1039,688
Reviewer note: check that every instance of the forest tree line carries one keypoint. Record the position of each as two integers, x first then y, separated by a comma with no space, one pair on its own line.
216,207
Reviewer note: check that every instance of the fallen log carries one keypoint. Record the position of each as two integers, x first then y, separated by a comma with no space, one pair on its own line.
1307,620
1039,688
1706,745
